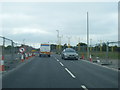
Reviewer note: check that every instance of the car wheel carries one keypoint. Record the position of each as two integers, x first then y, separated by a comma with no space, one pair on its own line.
76,59
48,55
39,55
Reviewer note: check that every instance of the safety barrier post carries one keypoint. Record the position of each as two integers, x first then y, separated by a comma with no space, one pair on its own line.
2,66
22,57
90,58
26,55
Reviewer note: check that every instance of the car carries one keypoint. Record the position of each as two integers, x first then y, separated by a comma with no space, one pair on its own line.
69,53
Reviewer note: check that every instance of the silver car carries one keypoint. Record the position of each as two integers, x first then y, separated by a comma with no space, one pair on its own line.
69,53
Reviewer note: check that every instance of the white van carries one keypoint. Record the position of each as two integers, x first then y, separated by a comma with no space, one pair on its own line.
45,50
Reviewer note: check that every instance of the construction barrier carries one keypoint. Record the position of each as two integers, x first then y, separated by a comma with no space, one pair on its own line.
90,58
30,54
2,66
26,55
22,57
82,56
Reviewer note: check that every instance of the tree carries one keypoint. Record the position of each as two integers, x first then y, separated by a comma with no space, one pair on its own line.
82,44
64,46
104,45
53,46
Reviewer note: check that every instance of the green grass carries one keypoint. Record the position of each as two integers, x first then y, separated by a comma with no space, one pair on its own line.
102,55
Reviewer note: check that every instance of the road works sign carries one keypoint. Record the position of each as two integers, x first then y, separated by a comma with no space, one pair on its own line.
22,49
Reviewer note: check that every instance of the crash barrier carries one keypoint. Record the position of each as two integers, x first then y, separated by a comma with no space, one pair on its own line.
11,54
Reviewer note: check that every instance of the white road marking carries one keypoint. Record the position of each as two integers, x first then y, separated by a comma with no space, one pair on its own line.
84,87
61,64
57,60
69,72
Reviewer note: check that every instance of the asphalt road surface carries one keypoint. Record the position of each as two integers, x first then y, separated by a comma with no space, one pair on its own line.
53,72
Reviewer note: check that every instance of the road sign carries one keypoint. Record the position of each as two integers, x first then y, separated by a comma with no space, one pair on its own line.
22,49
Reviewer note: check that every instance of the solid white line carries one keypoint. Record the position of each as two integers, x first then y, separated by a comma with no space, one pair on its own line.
61,64
84,87
69,72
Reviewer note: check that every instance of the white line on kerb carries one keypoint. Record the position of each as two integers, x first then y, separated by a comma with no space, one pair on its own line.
69,72
61,64
84,87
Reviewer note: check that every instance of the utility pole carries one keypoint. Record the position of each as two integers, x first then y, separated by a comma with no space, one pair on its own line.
87,35
79,45
23,41
107,50
69,41
100,45
60,43
91,45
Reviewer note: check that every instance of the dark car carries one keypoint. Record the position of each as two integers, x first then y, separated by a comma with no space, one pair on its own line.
69,53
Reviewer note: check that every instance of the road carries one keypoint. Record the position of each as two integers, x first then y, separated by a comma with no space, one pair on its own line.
53,72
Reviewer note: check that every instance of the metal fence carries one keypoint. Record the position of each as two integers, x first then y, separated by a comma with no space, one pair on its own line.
9,52
106,50
101,51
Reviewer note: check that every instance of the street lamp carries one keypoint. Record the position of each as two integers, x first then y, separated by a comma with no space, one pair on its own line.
24,41
87,35
60,43
69,41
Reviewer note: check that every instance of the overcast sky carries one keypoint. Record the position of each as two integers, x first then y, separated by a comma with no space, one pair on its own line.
37,22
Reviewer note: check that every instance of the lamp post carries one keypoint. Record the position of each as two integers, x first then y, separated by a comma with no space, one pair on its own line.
24,41
87,35
90,45
69,41
60,43
79,45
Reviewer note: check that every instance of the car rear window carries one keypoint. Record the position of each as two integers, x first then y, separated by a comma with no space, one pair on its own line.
69,50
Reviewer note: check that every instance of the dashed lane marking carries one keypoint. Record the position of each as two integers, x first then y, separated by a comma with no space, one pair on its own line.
70,73
84,87
57,60
61,64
